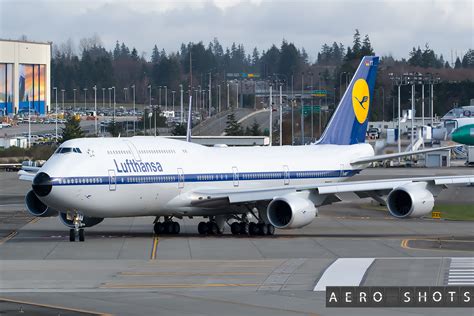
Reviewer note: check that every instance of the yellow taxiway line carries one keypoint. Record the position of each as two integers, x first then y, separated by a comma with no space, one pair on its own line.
405,245
53,306
7,238
154,247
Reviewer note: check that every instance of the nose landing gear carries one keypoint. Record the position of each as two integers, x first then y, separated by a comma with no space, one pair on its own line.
77,230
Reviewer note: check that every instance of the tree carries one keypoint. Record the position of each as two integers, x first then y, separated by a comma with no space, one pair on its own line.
366,49
114,129
255,129
179,130
72,129
457,63
233,128
356,48
155,54
416,57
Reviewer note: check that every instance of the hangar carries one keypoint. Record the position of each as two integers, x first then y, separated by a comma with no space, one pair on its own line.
25,77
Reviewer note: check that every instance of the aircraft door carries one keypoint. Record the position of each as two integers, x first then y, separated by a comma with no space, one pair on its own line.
286,175
180,178
112,180
235,174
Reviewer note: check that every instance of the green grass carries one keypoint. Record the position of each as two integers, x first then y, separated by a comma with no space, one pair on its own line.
460,212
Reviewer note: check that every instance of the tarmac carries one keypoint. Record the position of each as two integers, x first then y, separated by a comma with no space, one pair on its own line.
124,269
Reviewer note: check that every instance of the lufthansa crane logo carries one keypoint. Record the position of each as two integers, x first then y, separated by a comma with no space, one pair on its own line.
361,100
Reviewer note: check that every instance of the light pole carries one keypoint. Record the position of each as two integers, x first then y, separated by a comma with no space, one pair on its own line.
159,96
292,112
173,92
95,108
302,109
228,87
181,116
134,111
62,92
110,98
74,106
103,99
125,92
56,96
271,117
85,99
237,100
219,98
281,115
210,94
166,98
398,81
114,102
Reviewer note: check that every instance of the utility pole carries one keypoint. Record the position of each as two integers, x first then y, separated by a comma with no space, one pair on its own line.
292,113
219,98
210,94
302,111
56,97
95,108
181,104
85,99
74,107
228,95
166,98
281,115
271,117
134,111
103,99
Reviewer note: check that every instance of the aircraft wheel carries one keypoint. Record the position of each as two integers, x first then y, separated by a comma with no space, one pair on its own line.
253,228
235,228
72,235
270,229
81,234
213,228
262,229
176,228
159,228
169,227
202,228
244,228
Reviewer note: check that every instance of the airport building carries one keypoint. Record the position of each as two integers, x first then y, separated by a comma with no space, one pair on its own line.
25,76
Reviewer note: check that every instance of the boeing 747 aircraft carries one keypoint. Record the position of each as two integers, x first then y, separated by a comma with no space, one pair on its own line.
252,189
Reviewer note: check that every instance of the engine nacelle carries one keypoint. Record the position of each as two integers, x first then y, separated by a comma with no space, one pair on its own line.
38,208
290,211
86,221
410,200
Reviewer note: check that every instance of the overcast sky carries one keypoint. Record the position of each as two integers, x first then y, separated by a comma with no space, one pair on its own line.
394,27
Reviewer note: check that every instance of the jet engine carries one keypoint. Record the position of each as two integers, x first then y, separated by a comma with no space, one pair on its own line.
410,200
38,208
86,221
290,211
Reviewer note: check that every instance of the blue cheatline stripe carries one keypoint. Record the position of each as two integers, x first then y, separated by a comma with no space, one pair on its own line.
204,177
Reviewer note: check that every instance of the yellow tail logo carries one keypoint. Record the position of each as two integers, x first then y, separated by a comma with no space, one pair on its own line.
361,100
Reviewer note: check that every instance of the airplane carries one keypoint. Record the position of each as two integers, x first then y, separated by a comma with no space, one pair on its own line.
464,135
251,189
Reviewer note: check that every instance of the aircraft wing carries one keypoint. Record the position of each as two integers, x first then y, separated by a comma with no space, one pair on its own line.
370,159
368,188
28,173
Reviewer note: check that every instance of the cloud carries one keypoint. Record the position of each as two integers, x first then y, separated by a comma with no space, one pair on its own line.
394,27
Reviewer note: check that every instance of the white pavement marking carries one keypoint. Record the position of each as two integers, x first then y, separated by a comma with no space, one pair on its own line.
461,271
344,272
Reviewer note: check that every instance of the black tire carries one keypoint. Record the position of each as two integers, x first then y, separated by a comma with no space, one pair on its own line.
158,228
81,235
244,228
176,228
202,228
213,228
168,227
253,228
262,229
235,228
72,235
270,229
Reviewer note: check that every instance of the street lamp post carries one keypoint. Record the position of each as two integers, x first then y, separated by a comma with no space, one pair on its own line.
62,92
302,107
114,102
134,111
74,106
237,98
56,97
281,115
219,98
271,117
173,92
210,94
166,98
181,116
159,97
228,87
110,98
85,99
103,99
95,107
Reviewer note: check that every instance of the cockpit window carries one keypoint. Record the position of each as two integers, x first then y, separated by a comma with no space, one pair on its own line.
64,150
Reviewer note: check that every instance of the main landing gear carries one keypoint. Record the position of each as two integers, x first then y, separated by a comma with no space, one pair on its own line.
77,230
209,228
168,227
243,228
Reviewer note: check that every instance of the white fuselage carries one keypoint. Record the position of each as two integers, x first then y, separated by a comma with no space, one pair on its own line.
140,176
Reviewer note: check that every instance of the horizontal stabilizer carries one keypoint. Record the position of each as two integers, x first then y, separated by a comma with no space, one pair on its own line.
362,161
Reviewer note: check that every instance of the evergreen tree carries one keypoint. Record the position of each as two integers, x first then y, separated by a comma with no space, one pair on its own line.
179,130
457,63
416,57
446,65
155,54
233,128
356,48
255,129
72,129
367,49
114,129
468,59
117,50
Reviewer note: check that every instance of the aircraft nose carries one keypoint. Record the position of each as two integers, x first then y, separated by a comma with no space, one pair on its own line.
42,184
